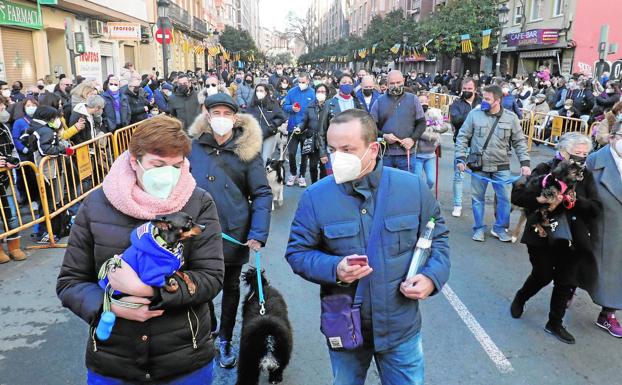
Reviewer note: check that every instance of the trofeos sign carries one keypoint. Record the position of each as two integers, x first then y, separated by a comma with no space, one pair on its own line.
19,15
124,31
533,37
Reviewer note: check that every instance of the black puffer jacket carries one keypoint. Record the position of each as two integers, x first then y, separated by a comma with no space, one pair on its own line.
161,347
269,115
184,107
137,102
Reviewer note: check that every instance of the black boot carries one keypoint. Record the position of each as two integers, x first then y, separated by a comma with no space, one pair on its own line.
560,332
517,307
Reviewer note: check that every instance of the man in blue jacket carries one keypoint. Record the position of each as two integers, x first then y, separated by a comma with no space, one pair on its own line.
333,222
368,94
295,104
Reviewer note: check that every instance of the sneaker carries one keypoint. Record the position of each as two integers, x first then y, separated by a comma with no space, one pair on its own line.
291,180
502,236
560,332
227,358
517,308
610,323
479,235
457,212
302,182
45,238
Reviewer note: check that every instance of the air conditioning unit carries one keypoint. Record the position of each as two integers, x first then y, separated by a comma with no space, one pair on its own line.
96,28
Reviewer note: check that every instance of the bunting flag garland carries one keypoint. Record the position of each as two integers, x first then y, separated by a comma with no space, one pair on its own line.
396,48
486,38
373,48
467,46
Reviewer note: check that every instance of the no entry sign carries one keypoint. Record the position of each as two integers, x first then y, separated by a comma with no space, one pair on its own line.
166,36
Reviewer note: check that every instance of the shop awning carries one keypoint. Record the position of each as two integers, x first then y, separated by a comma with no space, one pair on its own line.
539,54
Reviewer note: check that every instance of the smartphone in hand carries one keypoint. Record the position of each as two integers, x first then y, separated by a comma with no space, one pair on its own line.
357,260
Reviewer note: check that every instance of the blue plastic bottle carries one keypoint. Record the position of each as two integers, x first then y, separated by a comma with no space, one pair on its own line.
105,325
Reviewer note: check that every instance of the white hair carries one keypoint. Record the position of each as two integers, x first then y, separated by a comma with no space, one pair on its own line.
569,140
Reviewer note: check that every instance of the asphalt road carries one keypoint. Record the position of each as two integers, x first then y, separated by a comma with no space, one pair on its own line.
41,343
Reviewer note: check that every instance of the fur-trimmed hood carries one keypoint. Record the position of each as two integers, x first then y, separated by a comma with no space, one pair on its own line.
248,141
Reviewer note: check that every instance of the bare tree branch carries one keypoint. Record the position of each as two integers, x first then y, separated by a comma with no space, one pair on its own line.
299,28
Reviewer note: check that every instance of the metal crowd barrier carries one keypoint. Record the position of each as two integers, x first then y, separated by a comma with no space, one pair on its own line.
65,180
548,128
121,139
16,216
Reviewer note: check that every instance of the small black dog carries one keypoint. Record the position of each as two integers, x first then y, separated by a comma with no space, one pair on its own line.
275,172
266,342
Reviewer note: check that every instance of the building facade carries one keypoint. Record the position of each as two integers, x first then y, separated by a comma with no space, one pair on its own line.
328,20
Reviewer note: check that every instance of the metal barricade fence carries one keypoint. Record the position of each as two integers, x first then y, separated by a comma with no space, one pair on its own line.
16,216
66,180
121,139
547,128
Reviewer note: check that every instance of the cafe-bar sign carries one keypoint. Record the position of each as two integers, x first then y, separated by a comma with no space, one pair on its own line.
533,37
19,15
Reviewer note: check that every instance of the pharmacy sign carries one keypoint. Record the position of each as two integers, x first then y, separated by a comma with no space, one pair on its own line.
20,15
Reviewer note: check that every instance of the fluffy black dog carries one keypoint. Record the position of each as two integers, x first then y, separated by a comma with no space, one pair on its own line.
266,342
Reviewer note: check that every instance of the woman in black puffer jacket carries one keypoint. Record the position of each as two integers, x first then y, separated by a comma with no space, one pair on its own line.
270,116
168,338
567,262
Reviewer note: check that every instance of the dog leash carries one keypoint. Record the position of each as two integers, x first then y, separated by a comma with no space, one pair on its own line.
262,301
486,179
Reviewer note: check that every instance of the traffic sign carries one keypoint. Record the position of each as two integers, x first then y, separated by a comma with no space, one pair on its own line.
167,36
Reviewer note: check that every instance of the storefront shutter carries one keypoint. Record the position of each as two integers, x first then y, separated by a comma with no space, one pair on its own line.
19,56
105,48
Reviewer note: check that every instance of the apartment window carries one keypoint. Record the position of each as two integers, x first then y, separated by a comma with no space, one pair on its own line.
518,14
558,7
536,9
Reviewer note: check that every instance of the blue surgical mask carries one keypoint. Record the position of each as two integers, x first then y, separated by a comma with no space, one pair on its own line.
159,182
346,89
485,106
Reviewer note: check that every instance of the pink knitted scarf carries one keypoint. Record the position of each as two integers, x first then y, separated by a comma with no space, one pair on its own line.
122,190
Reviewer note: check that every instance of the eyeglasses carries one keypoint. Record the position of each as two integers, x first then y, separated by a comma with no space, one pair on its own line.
113,84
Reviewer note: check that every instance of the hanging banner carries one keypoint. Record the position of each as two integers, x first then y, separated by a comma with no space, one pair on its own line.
124,31
20,15
533,37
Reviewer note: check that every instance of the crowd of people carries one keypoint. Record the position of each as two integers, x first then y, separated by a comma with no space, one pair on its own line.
359,128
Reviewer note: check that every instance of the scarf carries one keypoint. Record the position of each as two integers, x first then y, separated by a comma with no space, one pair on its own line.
122,190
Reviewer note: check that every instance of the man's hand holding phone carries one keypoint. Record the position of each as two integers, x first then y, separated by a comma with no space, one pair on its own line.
352,268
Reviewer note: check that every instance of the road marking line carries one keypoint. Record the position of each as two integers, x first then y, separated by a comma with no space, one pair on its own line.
495,354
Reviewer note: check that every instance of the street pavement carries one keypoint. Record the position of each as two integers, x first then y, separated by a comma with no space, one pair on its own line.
479,343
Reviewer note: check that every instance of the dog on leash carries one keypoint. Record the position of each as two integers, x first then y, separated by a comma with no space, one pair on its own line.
266,342
275,172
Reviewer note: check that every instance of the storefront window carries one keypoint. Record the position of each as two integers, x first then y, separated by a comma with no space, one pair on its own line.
536,9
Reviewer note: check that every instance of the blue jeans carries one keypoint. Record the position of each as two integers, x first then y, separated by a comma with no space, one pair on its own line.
201,376
478,194
400,365
457,187
400,162
429,166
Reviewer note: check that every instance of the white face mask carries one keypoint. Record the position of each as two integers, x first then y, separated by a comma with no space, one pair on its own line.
30,110
113,88
303,86
160,181
6,93
320,97
260,95
221,126
347,167
618,147
167,92
212,91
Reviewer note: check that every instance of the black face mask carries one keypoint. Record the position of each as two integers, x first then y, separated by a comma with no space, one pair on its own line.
16,88
578,159
41,87
396,91
183,89
425,107
467,94
248,81
367,92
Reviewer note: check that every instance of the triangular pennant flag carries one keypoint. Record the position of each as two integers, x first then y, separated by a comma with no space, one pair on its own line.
373,48
467,46
395,49
486,38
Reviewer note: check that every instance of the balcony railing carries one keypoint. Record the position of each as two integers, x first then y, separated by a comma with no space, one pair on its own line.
199,26
179,16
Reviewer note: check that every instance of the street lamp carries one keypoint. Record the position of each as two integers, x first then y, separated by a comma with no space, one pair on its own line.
163,21
502,12
405,41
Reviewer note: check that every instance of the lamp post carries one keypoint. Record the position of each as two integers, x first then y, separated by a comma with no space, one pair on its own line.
404,41
502,12
163,22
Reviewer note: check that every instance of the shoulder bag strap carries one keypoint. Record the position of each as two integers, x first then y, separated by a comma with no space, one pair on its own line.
492,130
264,116
373,243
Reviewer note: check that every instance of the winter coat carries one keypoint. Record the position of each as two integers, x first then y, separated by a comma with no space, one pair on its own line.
161,100
90,130
109,118
137,102
459,110
184,107
7,148
509,103
65,98
20,126
581,218
331,109
607,248
304,98
508,134
43,140
160,347
244,95
270,119
374,96
333,221
607,101
234,174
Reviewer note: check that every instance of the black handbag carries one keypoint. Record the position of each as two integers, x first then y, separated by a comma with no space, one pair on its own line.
475,159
